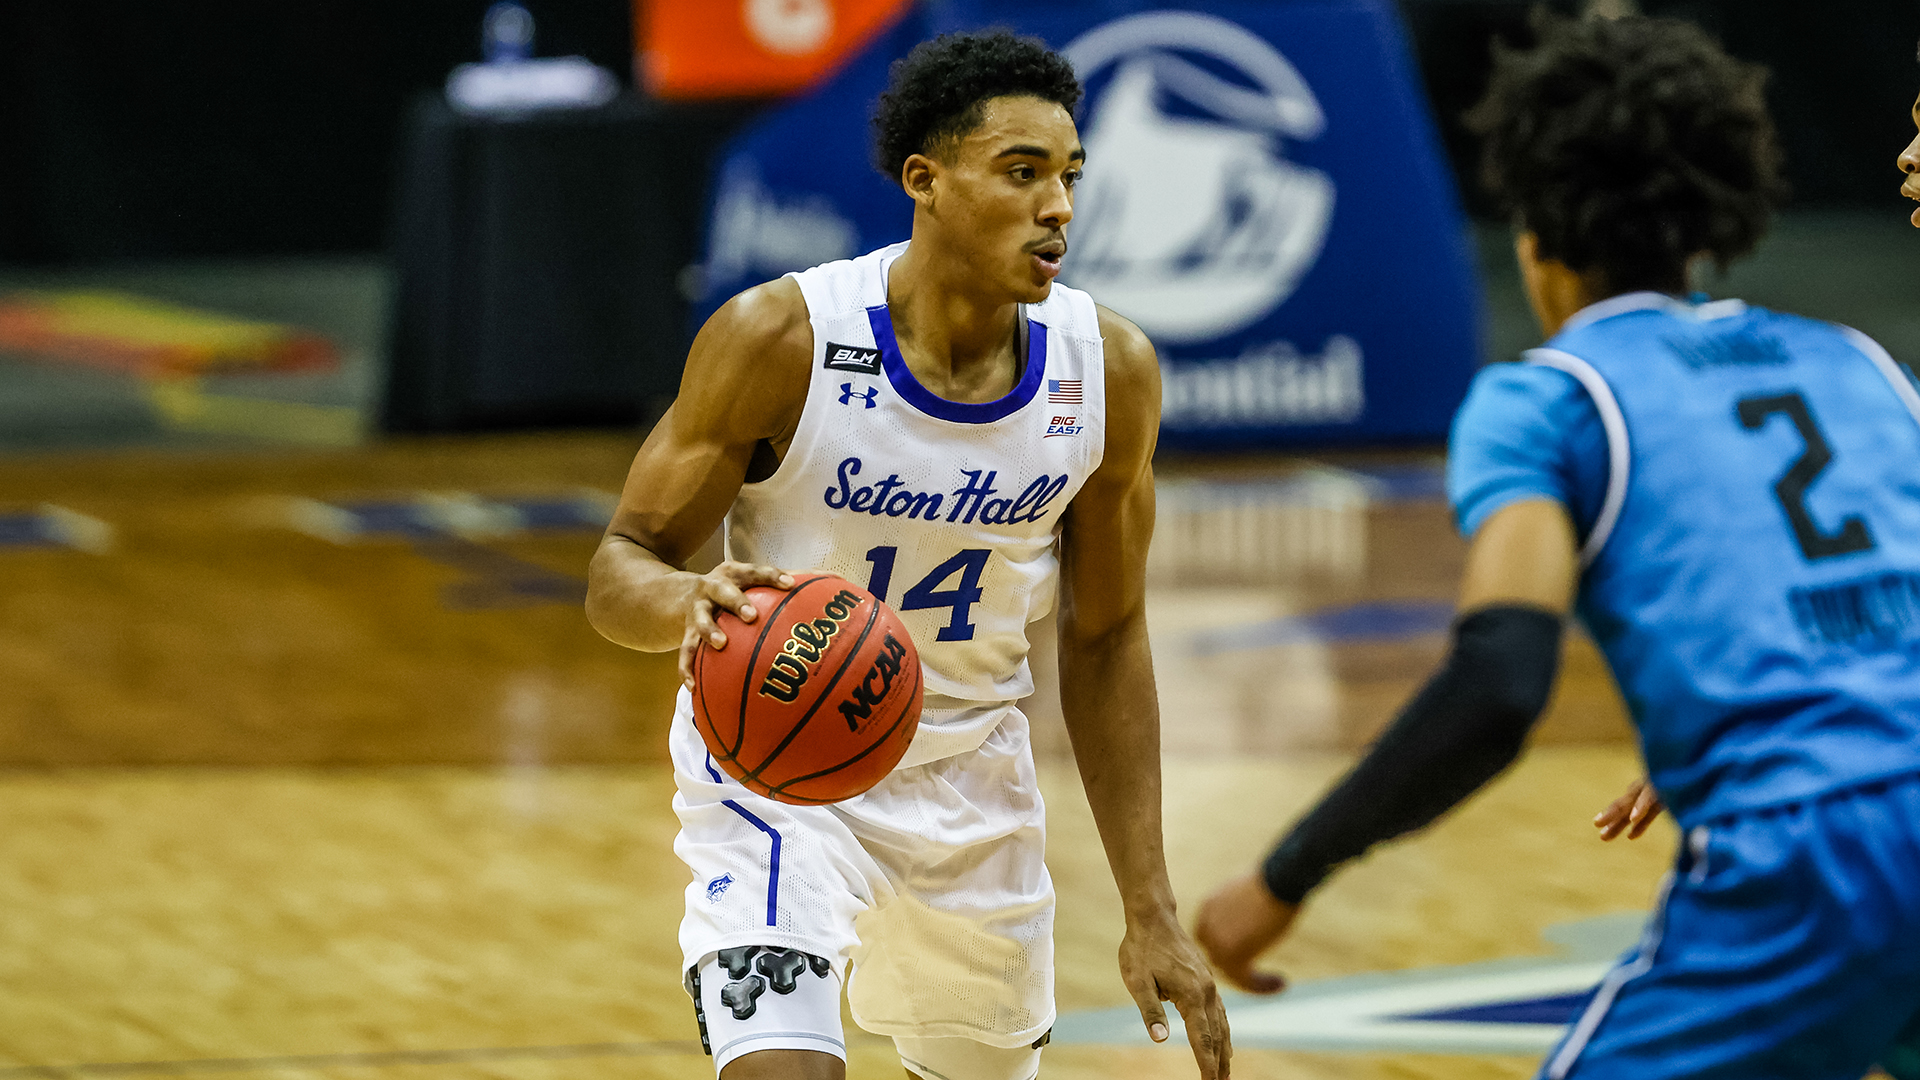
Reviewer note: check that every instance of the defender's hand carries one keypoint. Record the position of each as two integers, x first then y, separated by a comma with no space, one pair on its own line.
1158,962
1631,813
723,587
1241,920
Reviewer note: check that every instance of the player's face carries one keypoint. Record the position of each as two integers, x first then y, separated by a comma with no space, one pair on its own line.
1910,164
1004,195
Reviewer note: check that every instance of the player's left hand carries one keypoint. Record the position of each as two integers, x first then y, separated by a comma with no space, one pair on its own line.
1159,962
1630,813
1241,920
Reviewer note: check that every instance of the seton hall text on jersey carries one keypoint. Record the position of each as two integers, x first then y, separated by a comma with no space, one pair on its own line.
968,502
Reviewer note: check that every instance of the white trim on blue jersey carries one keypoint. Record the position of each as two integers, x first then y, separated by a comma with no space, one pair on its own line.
1619,452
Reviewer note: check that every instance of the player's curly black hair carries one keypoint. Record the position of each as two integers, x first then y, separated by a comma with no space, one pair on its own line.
938,91
1628,146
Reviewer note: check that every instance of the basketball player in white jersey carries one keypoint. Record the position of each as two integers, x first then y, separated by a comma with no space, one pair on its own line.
939,421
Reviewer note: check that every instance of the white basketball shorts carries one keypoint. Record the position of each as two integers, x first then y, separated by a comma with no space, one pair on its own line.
928,894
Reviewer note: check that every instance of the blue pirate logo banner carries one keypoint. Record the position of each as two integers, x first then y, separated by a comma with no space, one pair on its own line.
1192,221
1264,195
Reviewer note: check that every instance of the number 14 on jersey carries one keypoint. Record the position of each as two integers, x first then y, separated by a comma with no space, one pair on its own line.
927,593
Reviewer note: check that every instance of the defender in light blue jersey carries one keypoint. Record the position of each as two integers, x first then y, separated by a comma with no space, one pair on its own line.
1729,498
1746,489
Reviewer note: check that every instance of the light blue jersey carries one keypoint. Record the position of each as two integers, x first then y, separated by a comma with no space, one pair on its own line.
1747,486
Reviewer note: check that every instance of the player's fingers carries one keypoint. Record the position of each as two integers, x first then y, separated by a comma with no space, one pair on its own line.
1615,817
749,575
1207,1037
1240,972
1217,1018
1226,1036
1236,924
689,648
1152,1013
725,594
700,620
1644,813
1610,824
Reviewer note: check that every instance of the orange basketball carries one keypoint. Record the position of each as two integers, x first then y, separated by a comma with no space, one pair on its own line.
817,699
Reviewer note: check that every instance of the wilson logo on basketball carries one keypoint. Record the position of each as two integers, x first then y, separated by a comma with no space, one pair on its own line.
824,644
803,648
865,697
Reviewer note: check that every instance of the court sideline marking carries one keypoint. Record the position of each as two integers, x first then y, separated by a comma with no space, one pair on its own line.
374,1059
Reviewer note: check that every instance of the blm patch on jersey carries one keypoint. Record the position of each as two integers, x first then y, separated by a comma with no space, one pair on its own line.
853,358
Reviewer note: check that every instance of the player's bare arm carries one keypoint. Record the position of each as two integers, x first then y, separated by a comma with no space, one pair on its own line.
1107,694
739,402
1523,560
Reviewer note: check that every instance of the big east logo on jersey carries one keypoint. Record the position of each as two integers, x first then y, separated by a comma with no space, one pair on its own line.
1064,425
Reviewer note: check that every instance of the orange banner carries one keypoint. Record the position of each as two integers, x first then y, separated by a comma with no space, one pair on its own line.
749,48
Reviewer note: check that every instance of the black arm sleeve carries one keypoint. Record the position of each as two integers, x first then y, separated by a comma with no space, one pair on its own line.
1465,726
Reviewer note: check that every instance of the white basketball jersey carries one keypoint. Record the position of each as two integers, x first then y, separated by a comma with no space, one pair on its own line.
947,511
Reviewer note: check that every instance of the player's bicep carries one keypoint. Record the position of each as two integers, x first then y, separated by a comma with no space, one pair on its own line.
1110,524
1525,555
1104,554
679,486
744,383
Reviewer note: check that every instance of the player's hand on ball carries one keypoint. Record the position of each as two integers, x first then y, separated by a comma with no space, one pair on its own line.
1630,813
1159,962
723,587
1241,920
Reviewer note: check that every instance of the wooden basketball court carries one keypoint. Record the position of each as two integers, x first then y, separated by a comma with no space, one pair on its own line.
314,768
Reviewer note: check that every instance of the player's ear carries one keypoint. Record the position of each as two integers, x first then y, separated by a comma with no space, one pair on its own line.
917,176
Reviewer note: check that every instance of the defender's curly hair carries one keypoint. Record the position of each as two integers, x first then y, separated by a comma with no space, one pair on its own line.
939,90
1630,145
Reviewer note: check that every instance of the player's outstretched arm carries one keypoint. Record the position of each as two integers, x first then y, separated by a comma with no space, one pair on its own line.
1464,727
1112,713
740,396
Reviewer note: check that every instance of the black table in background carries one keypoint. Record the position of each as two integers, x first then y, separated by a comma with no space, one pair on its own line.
538,261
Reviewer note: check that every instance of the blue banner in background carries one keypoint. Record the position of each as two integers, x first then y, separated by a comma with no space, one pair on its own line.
1265,196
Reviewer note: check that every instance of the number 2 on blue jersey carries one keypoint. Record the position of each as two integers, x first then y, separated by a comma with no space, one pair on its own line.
970,563
1791,488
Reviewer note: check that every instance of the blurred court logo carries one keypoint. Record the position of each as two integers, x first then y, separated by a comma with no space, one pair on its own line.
1513,1005
754,232
1191,221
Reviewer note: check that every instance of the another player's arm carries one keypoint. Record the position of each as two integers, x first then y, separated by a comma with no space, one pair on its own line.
1107,695
745,381
1464,727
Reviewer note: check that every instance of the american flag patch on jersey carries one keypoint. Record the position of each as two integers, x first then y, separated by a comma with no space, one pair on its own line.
1063,391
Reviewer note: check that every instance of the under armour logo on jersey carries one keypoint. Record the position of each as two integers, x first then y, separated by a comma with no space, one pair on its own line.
867,396
852,358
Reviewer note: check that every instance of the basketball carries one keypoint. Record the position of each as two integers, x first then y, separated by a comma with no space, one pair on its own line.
816,700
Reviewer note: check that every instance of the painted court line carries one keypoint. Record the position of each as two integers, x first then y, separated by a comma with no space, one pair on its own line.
1385,620
472,1055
